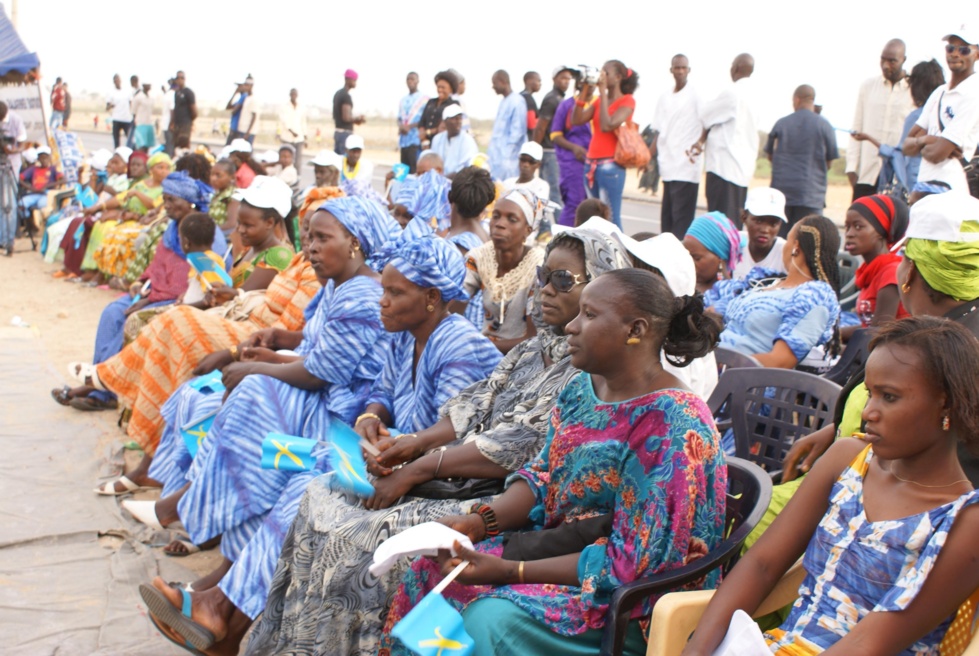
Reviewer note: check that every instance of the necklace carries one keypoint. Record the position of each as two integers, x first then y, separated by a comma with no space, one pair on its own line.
905,480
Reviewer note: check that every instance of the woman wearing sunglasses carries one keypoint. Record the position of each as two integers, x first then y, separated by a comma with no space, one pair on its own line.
321,593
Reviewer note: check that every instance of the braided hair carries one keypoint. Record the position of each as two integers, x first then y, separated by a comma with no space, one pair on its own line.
819,242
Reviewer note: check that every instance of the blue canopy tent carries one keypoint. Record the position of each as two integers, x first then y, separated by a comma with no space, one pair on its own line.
15,60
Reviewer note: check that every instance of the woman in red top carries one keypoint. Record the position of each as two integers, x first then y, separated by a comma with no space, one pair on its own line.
614,106
873,225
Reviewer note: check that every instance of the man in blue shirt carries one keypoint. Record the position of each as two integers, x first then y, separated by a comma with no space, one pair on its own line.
455,147
509,129
409,116
801,148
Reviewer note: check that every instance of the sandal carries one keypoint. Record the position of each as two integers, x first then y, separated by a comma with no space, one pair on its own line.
144,512
108,489
165,632
176,619
62,396
190,548
91,404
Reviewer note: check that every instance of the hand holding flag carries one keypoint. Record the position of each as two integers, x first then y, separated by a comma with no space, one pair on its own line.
434,627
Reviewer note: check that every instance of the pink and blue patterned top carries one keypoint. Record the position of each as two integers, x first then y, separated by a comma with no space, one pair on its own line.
653,462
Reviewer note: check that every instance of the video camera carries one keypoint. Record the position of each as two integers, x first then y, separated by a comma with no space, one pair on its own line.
588,74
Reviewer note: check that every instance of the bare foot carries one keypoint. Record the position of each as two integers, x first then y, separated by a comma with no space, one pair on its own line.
140,476
211,580
179,548
166,507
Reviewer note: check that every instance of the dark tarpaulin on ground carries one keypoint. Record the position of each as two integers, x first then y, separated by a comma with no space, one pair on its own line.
62,589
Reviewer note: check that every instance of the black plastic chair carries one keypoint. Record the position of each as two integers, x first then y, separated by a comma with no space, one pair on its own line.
768,409
853,358
848,265
749,491
731,359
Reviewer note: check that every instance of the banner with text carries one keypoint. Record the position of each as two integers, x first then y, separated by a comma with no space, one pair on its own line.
25,100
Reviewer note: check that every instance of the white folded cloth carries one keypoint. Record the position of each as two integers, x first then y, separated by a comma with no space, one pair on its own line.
743,638
422,540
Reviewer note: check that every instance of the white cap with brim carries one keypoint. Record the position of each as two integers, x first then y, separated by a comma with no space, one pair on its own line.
327,158
225,152
269,157
451,111
30,155
939,217
533,150
965,33
664,252
100,159
42,150
558,70
268,193
354,142
240,146
123,152
766,201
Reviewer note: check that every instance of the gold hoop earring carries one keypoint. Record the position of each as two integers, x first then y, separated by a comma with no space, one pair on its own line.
632,341
946,423
430,308
906,288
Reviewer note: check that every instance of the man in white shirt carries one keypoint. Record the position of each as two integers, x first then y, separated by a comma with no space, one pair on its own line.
531,154
117,104
763,216
455,146
144,135
882,105
15,135
244,112
677,120
947,132
292,125
168,98
731,138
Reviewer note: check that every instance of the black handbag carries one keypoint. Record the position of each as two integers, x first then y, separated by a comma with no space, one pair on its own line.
457,488
568,538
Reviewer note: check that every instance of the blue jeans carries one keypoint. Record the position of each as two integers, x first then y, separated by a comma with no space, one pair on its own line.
550,173
607,185
32,202
57,119
8,211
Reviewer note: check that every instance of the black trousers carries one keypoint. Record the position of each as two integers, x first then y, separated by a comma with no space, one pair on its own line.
725,197
795,213
409,157
679,206
861,190
120,128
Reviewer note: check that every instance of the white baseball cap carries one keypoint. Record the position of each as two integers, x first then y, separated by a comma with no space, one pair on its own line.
965,33
30,155
533,150
451,111
354,142
765,201
268,193
939,217
269,157
44,150
327,158
240,146
123,152
100,159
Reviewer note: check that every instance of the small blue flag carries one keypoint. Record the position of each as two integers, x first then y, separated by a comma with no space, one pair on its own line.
208,268
347,460
288,453
195,433
434,628
208,383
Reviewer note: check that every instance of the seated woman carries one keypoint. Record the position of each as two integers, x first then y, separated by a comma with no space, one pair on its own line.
163,282
886,526
90,190
873,225
491,429
780,322
438,350
117,249
503,269
715,246
626,438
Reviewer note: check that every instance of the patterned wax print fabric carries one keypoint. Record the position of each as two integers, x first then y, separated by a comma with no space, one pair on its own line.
855,567
505,298
654,462
276,257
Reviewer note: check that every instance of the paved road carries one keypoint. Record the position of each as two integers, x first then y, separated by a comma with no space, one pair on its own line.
637,216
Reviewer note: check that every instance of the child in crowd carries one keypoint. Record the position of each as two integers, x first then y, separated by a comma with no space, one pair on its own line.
886,524
38,179
591,207
196,236
763,217
531,155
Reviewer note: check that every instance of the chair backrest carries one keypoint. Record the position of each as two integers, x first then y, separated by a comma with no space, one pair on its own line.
731,359
848,265
853,358
768,409
749,492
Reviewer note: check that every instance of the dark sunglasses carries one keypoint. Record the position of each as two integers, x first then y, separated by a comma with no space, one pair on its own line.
561,279
963,50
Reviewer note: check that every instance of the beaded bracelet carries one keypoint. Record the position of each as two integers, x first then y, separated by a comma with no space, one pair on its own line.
488,516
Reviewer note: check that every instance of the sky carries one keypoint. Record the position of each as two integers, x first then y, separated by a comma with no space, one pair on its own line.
831,45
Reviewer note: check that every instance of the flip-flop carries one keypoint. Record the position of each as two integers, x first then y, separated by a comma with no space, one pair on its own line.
145,513
177,619
62,396
92,404
108,489
183,645
190,547
60,274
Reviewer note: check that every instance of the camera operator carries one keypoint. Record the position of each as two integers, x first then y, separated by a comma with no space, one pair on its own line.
14,137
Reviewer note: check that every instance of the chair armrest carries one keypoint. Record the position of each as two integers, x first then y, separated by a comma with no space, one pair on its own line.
674,618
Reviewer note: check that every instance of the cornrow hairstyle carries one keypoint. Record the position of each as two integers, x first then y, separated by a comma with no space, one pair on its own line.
472,191
819,242
195,165
687,331
950,359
